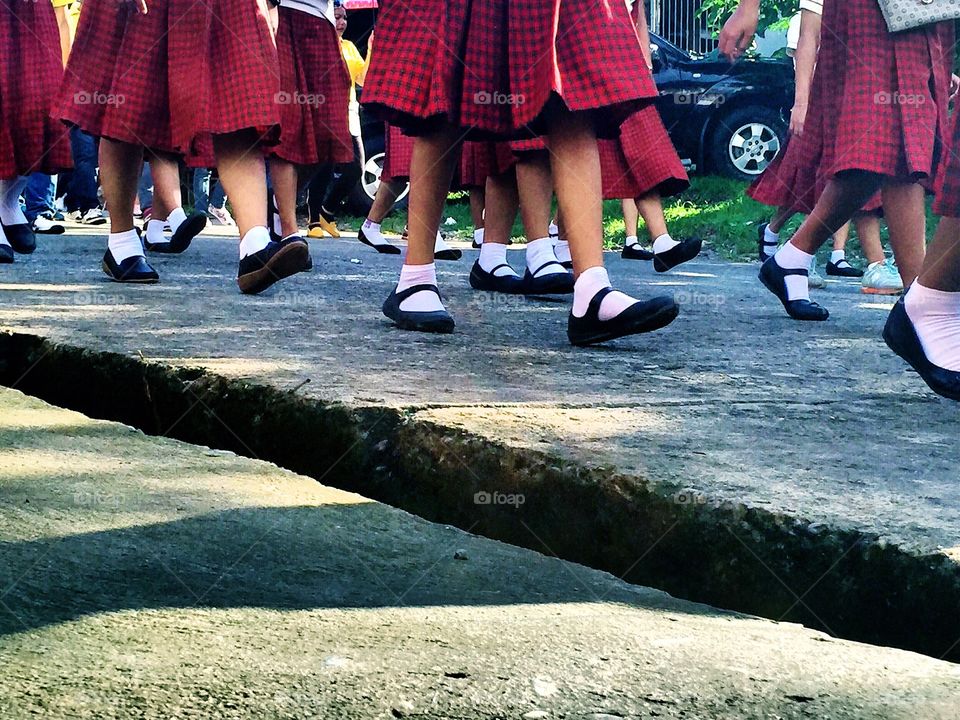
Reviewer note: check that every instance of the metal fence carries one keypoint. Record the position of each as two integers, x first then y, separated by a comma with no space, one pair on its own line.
678,21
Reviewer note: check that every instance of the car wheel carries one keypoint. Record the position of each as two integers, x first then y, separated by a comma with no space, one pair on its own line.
746,141
361,198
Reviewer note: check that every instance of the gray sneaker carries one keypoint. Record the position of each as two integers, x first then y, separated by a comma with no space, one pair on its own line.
882,278
815,279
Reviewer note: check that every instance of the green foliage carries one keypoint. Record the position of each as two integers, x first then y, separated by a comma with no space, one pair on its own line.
771,12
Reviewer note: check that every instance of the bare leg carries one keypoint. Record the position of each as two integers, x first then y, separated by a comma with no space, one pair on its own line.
844,195
385,199
478,202
502,203
780,218
165,170
283,175
941,268
841,236
120,165
243,174
631,217
431,171
650,207
904,211
535,185
868,233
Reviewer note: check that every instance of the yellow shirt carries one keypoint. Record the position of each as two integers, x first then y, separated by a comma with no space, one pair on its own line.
357,67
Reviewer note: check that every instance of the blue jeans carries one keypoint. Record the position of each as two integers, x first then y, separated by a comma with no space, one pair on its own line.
38,196
82,194
203,197
145,188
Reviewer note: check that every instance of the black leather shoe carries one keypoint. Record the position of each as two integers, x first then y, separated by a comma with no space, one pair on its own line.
6,254
900,336
480,279
134,269
678,254
436,321
385,249
276,261
448,254
845,270
181,239
636,252
762,242
21,238
773,278
556,283
641,317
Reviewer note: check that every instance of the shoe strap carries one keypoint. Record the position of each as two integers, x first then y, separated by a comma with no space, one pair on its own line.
413,290
793,271
593,309
548,264
769,243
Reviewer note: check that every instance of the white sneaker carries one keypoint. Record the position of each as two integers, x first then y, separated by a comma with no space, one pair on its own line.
46,226
815,279
94,216
882,278
220,216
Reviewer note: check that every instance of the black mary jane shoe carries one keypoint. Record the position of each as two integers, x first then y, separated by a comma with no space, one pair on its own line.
276,261
558,283
567,264
773,278
901,337
762,243
510,284
385,249
134,269
677,255
181,239
641,317
6,254
448,254
435,321
843,269
636,251
21,238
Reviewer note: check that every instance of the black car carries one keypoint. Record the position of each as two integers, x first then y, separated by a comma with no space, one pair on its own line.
722,118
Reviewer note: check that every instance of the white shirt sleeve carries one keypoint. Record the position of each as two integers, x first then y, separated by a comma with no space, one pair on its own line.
812,5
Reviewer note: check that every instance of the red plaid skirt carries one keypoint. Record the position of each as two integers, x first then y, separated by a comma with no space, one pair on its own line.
398,152
315,92
880,97
30,70
481,159
115,85
224,72
513,58
947,202
641,160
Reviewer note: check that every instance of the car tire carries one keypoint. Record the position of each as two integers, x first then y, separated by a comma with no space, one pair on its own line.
745,142
361,197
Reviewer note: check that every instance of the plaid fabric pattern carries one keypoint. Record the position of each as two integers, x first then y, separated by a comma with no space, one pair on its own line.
792,179
947,202
641,160
224,71
30,70
478,161
115,84
882,97
314,92
494,66
398,152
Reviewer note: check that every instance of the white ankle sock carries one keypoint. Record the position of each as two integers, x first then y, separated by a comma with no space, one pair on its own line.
478,236
10,191
790,257
175,218
561,248
372,232
277,225
424,301
935,315
539,253
256,239
771,240
3,238
553,230
440,244
631,240
664,243
155,234
592,281
124,245
493,254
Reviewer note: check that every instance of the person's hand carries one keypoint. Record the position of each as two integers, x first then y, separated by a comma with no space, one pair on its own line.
140,5
954,86
738,31
797,118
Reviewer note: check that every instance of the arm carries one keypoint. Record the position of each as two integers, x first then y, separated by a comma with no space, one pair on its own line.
644,32
66,32
738,31
806,62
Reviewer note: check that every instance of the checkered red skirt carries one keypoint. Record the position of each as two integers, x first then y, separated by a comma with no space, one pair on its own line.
880,97
947,202
513,59
30,70
642,159
481,159
398,152
314,92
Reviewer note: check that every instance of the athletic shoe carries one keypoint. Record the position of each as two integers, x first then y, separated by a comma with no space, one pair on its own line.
93,216
46,226
815,279
220,216
882,278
